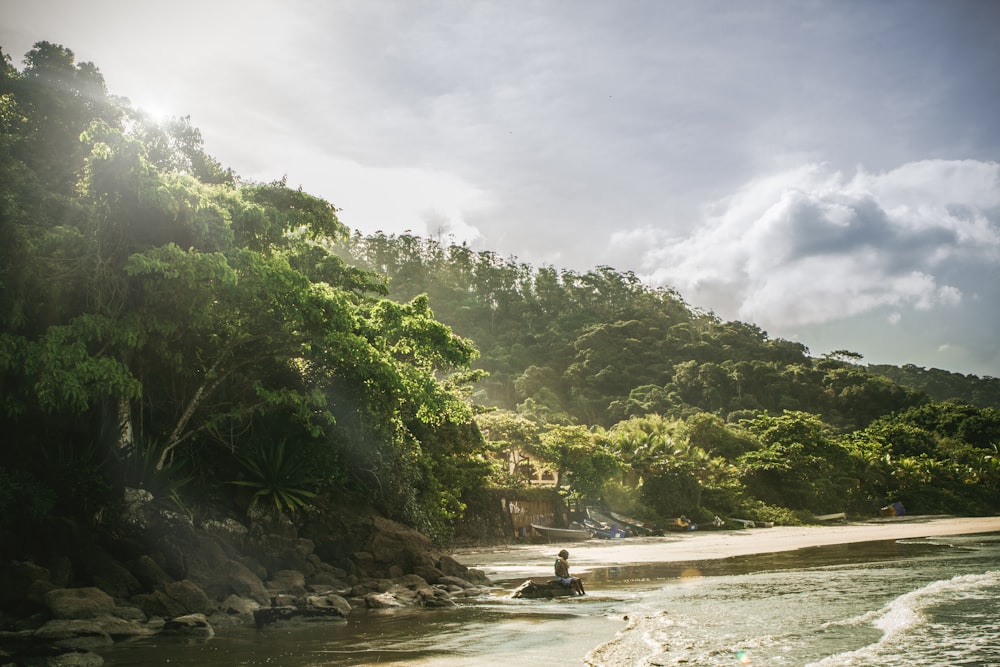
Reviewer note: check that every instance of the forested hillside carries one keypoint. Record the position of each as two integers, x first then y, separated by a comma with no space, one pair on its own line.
598,347
166,324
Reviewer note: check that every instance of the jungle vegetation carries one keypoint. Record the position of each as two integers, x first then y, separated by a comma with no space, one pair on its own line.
168,325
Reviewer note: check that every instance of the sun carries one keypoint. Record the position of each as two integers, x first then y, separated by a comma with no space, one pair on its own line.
155,110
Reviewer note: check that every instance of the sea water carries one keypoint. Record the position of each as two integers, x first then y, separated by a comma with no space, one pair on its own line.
911,602
927,602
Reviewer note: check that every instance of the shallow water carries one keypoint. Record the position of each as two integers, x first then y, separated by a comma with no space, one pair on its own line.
892,603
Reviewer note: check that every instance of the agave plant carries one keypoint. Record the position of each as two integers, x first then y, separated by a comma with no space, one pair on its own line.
275,473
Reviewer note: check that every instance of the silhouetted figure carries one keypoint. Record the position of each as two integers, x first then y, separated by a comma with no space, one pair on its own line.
562,574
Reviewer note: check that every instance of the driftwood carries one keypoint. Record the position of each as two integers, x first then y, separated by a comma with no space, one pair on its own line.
532,590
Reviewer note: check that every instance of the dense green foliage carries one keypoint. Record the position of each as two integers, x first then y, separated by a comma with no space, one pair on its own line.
158,311
944,385
166,324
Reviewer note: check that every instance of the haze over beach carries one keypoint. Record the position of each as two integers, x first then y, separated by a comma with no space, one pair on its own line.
827,171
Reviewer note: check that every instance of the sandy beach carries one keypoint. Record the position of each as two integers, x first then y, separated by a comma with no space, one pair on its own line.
535,560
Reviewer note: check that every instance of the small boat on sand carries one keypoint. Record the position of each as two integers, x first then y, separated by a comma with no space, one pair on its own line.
635,526
571,534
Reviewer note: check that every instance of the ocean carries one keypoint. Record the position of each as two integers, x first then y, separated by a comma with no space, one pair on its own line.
928,602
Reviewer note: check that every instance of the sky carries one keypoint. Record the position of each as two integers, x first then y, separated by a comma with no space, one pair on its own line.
827,170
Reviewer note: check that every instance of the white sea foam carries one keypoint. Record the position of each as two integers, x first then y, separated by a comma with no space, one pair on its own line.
905,616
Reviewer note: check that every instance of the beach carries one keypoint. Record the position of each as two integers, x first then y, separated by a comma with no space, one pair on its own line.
535,560
880,593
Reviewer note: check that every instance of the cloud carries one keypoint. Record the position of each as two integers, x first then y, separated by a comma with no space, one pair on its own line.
810,245
425,202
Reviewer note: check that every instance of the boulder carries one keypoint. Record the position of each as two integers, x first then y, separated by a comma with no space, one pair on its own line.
241,581
477,577
194,625
178,598
436,597
429,572
107,573
279,552
396,544
57,657
79,602
411,581
189,595
451,567
16,578
287,581
74,634
382,601
328,581
550,589
285,614
329,601
149,574
237,610
455,581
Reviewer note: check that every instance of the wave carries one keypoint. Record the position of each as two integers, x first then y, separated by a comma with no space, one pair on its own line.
907,614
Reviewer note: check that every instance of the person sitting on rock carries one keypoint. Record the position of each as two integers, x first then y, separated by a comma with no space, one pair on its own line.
562,574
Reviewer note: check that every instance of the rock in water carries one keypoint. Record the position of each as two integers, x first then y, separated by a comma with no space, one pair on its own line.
551,589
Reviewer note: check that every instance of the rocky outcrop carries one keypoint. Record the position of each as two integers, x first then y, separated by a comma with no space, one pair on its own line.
164,574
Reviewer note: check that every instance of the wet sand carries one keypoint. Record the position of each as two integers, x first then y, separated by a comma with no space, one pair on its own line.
535,560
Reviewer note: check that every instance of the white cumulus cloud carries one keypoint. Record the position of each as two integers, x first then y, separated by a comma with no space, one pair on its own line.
813,245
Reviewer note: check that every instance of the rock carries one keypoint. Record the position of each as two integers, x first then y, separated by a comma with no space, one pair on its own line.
396,544
429,573
178,598
74,658
328,581
74,634
382,601
279,552
191,625
35,595
436,597
455,581
365,562
189,595
79,602
329,601
411,581
272,615
17,577
533,590
241,581
239,609
134,507
287,581
186,553
149,574
451,567
477,577
108,574
226,528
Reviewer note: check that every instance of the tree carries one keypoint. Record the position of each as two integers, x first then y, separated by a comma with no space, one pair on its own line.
582,456
798,465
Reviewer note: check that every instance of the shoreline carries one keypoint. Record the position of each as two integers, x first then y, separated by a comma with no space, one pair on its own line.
525,561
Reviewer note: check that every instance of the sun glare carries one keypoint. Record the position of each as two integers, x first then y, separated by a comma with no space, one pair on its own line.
156,111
